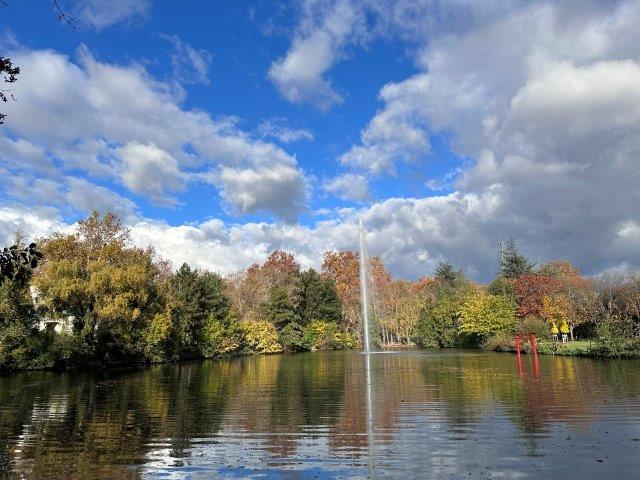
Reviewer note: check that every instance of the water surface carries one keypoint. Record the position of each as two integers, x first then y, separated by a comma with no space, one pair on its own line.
436,414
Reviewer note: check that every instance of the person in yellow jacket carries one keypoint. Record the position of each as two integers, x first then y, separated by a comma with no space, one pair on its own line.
564,329
554,332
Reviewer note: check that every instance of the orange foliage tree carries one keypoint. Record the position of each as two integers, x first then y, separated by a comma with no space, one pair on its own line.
530,292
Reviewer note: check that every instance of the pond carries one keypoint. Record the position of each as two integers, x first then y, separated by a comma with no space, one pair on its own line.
434,414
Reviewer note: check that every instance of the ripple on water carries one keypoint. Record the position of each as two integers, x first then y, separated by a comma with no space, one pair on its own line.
444,414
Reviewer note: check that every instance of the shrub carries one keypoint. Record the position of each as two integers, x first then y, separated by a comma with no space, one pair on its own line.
321,335
615,338
217,338
501,343
260,336
534,325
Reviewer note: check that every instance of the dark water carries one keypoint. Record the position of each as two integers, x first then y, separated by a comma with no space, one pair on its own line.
438,415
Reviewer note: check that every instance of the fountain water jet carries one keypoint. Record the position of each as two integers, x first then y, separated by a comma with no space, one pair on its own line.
364,300
364,288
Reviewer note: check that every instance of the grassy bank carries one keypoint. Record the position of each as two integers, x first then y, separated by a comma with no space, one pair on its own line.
578,348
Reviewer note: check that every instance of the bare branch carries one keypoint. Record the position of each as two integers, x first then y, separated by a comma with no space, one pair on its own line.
62,16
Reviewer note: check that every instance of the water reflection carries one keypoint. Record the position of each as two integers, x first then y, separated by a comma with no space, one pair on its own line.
438,414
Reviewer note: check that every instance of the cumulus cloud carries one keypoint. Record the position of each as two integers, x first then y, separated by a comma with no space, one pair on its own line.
349,186
540,98
150,171
397,132
277,189
120,123
300,75
544,99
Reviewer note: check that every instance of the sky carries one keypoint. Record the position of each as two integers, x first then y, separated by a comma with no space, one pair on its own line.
220,131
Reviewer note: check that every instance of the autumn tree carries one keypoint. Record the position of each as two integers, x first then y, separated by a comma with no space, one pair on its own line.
343,268
485,314
108,285
555,309
578,291
530,291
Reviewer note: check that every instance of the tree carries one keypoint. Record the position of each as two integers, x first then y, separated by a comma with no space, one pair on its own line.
400,310
279,310
484,314
9,73
512,264
17,262
555,309
503,286
530,292
438,320
578,291
196,297
344,269
320,299
445,272
109,286
250,290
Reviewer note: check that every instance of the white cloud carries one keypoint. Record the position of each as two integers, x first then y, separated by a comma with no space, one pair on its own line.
150,171
189,64
278,189
546,98
397,132
349,186
327,27
542,98
277,128
102,14
107,107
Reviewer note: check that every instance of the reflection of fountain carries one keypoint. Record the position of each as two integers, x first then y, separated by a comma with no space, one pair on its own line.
364,300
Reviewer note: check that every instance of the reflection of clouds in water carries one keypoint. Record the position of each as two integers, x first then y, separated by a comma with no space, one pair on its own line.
442,415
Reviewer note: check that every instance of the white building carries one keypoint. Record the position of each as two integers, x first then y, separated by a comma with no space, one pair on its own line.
60,324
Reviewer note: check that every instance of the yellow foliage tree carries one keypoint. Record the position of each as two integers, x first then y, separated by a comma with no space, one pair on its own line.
486,314
556,309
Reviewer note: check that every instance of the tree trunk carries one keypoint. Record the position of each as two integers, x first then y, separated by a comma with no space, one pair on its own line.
571,330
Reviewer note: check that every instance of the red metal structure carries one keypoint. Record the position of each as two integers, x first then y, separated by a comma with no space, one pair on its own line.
532,341
534,351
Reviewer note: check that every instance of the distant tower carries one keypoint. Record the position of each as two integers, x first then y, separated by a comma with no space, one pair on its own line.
502,253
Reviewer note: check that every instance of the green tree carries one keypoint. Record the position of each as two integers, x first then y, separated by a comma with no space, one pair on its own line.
17,314
438,322
320,299
279,310
503,286
446,273
512,264
196,298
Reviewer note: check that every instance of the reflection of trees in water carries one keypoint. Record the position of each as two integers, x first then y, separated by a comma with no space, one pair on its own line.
83,425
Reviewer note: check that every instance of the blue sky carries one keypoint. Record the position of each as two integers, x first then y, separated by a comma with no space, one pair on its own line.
239,127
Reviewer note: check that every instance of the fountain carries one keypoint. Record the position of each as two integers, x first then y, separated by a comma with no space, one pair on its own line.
364,300
364,288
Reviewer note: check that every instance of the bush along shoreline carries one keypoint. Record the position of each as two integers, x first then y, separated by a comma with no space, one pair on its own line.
92,298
